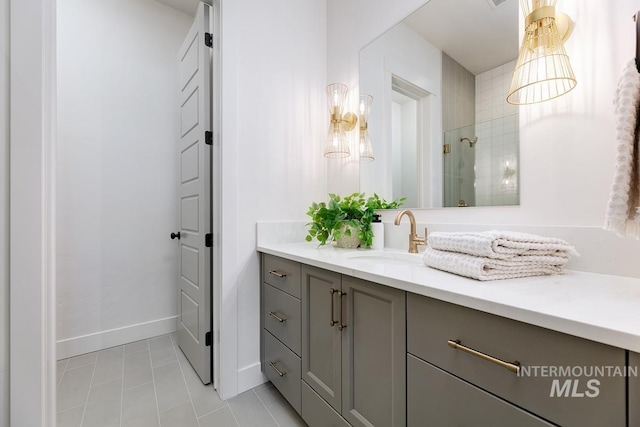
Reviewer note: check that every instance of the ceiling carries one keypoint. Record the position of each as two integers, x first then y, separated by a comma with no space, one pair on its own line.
186,6
475,33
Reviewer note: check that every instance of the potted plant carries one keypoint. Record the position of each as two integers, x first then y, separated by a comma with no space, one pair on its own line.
347,220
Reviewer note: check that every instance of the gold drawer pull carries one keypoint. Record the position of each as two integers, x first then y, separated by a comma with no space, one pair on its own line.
277,274
513,367
278,371
275,316
341,325
331,321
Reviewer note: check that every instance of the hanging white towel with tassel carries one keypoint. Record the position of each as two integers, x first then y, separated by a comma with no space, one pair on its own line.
623,216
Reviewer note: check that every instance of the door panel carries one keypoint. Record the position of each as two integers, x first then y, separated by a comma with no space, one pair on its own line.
321,342
373,354
189,163
194,65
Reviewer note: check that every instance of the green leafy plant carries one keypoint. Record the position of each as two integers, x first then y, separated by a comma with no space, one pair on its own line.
328,220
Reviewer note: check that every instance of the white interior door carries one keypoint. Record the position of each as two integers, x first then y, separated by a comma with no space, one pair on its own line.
194,298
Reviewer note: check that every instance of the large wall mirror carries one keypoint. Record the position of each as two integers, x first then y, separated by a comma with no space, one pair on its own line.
442,132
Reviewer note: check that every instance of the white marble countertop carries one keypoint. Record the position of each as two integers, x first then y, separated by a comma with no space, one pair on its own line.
598,307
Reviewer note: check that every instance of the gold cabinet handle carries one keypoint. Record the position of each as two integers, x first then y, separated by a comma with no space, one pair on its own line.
275,316
278,371
331,321
513,367
341,325
277,274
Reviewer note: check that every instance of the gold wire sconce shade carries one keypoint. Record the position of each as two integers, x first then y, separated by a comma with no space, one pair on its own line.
542,70
364,141
337,145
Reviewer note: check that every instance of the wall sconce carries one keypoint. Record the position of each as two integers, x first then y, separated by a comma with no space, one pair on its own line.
364,144
543,70
337,143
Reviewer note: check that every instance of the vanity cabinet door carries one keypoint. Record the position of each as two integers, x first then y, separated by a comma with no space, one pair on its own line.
634,389
373,354
321,338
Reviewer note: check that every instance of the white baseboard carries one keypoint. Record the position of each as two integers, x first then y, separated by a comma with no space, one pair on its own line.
100,340
250,377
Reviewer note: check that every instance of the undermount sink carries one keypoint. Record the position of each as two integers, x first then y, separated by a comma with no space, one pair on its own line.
386,257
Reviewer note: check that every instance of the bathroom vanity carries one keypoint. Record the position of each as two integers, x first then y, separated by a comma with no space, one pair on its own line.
361,338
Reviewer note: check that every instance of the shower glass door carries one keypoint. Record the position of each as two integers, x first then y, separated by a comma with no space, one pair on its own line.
459,167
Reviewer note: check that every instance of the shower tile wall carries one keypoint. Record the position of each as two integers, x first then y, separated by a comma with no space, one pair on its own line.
458,111
497,149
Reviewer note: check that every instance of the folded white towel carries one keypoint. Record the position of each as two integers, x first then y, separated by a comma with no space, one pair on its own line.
483,268
622,215
501,244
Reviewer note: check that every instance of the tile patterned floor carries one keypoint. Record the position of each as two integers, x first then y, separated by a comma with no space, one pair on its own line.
150,383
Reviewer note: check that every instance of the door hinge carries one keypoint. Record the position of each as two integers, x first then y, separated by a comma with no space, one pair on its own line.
207,339
208,240
208,39
208,137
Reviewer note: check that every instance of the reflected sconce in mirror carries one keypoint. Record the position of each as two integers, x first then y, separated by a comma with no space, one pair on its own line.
337,143
508,176
364,141
543,70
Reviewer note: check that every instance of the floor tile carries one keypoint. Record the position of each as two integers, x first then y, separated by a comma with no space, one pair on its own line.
150,383
82,360
279,408
104,405
180,416
249,411
74,387
162,351
139,407
263,385
71,417
137,369
205,398
170,387
220,418
61,366
136,346
109,365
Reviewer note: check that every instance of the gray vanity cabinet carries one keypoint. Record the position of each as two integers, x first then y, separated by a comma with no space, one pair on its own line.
353,351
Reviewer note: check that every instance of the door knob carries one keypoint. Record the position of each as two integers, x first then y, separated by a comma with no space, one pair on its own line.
174,235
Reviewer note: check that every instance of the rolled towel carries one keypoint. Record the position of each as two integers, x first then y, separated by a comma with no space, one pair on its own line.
483,268
500,244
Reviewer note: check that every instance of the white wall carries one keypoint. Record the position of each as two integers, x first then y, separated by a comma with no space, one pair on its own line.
274,122
567,145
4,213
117,171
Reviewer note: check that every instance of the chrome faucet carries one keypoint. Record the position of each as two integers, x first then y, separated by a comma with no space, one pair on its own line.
414,240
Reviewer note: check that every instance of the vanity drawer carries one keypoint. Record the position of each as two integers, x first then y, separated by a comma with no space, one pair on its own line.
283,368
282,273
282,317
436,398
565,400
318,413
